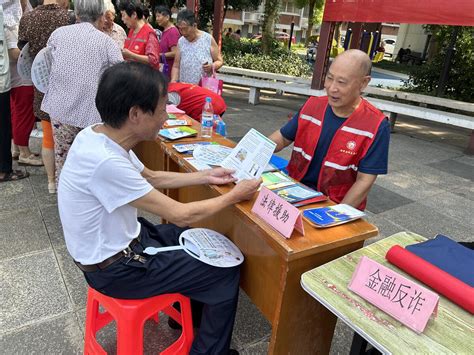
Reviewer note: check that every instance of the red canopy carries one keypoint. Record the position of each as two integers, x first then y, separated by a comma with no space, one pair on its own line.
440,12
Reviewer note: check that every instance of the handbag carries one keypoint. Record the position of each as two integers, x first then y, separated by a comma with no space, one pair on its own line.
212,83
164,67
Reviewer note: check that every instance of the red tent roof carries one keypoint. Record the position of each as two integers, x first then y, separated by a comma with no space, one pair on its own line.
441,12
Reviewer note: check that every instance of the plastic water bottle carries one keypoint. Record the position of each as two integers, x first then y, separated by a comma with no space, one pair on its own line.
207,119
220,129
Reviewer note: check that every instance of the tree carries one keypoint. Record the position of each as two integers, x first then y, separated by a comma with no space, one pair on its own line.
460,82
206,9
269,18
314,14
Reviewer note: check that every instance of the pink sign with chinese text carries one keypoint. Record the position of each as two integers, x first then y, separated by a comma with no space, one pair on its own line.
403,299
278,213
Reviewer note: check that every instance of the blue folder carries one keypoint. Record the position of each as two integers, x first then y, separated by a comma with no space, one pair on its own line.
448,255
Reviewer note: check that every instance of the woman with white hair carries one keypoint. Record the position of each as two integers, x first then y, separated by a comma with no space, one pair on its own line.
80,53
110,28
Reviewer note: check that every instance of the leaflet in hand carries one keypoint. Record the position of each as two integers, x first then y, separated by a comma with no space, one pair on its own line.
176,133
250,157
322,217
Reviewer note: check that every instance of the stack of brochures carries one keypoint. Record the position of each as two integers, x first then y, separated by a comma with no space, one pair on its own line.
290,190
329,216
174,121
177,133
188,148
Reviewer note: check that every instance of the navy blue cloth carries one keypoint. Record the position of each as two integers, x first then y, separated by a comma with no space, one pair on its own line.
375,162
448,255
176,272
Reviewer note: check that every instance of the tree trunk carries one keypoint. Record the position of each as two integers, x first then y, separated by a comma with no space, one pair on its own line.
337,33
310,20
271,13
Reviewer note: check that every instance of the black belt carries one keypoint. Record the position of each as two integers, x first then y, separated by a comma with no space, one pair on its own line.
127,252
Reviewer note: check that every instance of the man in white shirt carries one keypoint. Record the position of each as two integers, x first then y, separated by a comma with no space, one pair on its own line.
103,184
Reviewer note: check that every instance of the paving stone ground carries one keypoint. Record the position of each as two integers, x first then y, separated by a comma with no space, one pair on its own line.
429,190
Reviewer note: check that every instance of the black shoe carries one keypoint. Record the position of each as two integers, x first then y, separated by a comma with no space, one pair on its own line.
233,352
173,324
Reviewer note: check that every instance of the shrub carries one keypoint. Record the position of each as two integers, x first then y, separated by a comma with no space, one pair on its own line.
248,54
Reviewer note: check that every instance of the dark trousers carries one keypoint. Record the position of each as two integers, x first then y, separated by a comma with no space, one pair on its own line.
5,133
176,272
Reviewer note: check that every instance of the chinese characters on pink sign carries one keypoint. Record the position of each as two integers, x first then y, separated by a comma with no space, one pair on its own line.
403,299
278,213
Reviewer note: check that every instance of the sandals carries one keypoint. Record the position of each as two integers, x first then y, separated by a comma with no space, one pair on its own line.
32,160
14,175
52,187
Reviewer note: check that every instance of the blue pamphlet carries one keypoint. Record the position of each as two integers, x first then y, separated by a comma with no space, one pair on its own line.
329,216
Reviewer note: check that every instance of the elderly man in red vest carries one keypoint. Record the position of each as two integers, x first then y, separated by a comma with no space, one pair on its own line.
340,140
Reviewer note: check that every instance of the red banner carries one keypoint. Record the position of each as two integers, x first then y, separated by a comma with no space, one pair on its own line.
441,12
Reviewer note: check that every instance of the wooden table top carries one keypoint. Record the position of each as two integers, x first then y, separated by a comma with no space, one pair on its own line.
452,331
314,241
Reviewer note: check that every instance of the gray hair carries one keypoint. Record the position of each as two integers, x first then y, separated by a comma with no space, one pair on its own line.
89,10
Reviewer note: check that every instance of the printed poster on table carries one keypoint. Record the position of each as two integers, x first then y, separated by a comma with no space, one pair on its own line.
251,156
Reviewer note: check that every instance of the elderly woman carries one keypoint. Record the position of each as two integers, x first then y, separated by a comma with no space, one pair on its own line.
35,28
80,54
116,32
141,44
169,36
197,52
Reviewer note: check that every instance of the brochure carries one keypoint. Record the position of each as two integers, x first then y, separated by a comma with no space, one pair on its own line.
329,216
250,157
177,122
290,190
197,164
178,132
206,245
296,192
212,154
188,148
270,167
275,180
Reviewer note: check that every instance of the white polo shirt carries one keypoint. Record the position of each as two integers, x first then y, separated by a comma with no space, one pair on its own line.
96,185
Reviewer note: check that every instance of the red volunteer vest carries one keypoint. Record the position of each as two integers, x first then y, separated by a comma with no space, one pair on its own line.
137,43
348,146
193,98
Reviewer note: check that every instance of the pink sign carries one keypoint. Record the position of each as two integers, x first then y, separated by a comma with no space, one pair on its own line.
278,213
403,299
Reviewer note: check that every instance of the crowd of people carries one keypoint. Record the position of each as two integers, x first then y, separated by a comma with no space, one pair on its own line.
83,44
107,92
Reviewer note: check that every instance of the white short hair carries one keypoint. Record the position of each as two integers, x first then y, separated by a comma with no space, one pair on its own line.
89,10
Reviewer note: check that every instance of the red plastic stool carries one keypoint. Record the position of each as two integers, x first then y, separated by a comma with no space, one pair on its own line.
131,316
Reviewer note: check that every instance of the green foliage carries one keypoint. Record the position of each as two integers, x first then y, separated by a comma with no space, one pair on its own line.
460,85
248,54
206,10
